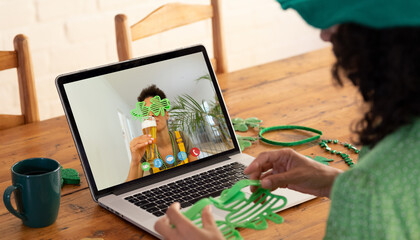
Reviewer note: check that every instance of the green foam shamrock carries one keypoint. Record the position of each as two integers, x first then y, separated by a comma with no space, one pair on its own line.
69,176
322,160
157,106
245,142
241,125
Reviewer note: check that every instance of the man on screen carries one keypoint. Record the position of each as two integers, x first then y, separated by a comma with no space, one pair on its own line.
169,144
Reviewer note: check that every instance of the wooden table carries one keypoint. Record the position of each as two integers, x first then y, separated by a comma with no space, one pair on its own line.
298,90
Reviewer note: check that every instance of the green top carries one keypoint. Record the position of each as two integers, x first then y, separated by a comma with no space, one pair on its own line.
372,13
379,198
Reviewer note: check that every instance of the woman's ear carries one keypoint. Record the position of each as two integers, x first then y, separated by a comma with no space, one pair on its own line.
327,33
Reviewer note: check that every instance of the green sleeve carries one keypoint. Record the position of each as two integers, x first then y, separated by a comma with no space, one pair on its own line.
367,207
354,211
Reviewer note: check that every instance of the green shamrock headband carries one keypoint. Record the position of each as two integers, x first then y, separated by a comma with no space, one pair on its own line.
158,106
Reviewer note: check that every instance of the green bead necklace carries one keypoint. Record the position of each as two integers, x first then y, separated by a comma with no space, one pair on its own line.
240,124
344,156
173,150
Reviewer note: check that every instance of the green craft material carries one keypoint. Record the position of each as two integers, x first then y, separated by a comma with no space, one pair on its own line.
69,176
241,125
345,157
245,142
322,160
243,212
157,106
289,127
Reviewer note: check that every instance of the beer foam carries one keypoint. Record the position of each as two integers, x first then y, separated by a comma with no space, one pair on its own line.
148,123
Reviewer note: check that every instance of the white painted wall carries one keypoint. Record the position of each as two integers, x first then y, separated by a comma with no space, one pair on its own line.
68,35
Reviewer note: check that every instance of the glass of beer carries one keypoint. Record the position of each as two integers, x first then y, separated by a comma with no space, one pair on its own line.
149,127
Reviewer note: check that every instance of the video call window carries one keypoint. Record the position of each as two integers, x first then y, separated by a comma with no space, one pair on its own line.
102,109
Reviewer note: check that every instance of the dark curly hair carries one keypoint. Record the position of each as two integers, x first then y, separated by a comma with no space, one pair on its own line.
151,91
385,65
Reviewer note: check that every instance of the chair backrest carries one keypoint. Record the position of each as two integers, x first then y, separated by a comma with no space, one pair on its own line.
20,59
167,17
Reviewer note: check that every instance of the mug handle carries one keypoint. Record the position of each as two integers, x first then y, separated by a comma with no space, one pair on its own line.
6,200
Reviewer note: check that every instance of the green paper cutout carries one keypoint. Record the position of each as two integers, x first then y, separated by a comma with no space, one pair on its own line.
241,125
252,212
245,142
322,160
157,106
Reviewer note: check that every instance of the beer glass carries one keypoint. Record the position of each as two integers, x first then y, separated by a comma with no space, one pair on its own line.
149,127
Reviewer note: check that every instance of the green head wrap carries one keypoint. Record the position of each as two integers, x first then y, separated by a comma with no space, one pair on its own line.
371,13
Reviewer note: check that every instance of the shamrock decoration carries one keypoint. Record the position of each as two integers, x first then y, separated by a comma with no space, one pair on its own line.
69,176
245,142
140,111
157,107
322,160
241,125
243,211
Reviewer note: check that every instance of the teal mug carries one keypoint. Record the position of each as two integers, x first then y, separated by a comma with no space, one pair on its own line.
37,187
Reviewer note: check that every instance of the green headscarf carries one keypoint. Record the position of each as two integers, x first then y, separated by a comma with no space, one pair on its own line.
372,13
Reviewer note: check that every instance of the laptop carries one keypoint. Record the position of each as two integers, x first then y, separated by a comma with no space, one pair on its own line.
98,104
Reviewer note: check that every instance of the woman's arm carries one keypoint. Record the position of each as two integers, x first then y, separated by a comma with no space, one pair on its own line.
288,169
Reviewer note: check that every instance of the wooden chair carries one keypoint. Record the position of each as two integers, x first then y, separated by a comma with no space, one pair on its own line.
21,59
167,17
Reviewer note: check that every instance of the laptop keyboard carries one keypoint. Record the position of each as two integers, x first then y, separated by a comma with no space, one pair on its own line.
189,190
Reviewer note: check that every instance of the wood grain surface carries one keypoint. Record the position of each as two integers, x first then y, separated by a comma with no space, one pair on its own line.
297,91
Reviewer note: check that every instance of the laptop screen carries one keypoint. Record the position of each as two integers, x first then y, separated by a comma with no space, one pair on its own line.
147,117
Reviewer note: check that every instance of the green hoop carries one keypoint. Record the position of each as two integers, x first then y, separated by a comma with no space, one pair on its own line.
289,127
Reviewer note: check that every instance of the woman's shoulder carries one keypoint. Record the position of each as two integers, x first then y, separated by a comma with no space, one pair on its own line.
386,179
392,165
398,150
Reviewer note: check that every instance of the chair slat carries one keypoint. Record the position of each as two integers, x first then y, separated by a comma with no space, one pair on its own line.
9,121
8,59
168,17
21,60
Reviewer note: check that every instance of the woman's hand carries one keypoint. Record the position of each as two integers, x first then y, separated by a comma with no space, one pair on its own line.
289,169
184,229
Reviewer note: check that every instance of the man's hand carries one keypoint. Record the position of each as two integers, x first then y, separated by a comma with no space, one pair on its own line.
138,148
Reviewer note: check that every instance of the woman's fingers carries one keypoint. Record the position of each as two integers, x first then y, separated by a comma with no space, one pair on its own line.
177,219
265,161
207,218
163,227
282,180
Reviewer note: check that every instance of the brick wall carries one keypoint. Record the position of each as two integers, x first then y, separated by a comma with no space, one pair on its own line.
69,35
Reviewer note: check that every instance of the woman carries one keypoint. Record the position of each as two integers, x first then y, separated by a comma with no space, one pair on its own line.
377,46
166,140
